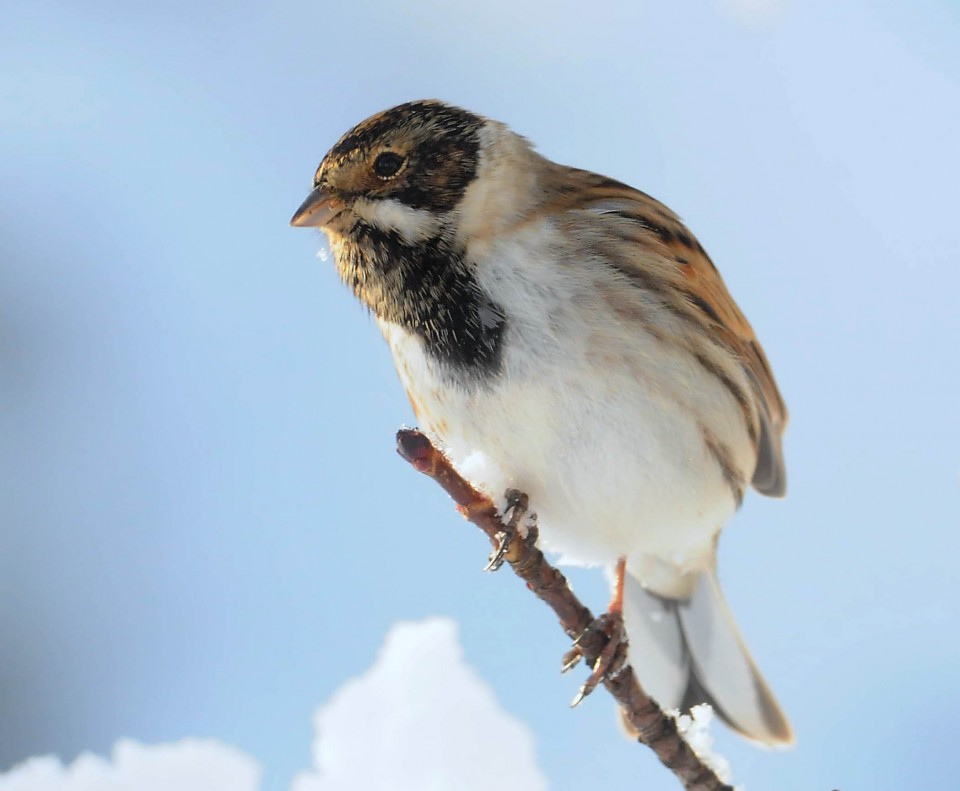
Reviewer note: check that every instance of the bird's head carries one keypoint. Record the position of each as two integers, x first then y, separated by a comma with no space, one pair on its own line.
392,198
400,172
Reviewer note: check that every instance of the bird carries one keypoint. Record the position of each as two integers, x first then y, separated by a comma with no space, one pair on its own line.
571,332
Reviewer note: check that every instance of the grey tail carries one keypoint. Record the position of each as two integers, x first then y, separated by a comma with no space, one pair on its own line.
689,651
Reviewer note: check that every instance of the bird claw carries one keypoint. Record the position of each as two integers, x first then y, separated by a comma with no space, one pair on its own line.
571,659
608,631
516,507
495,561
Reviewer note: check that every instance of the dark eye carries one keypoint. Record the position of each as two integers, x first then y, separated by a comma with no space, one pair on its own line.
387,165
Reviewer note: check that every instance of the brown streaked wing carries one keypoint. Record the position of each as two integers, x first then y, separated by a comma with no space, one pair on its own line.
691,270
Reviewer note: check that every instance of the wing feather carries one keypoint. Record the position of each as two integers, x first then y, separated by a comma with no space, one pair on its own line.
682,267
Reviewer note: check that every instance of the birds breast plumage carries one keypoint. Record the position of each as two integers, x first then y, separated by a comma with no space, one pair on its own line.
574,333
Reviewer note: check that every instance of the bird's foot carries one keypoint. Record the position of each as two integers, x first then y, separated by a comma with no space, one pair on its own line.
606,639
514,527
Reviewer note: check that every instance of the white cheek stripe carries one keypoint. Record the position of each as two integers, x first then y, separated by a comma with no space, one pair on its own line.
414,225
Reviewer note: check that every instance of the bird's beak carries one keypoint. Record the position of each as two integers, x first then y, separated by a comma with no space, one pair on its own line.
317,210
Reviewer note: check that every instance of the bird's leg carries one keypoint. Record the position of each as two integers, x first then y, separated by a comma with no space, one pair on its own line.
517,509
608,631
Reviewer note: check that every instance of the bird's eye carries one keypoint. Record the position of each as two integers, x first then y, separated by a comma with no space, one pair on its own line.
388,164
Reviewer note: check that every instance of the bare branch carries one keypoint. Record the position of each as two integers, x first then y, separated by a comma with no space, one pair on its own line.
644,717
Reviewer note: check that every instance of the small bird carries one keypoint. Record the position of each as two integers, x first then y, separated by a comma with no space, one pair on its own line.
575,333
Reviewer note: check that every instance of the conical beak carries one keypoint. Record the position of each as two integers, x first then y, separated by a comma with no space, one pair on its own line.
317,210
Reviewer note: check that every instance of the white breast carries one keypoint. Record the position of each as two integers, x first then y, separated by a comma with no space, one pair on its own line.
595,419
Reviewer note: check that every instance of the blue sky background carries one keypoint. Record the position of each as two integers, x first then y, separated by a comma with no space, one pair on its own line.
203,528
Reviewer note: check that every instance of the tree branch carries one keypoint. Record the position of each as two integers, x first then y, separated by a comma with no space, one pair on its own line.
653,728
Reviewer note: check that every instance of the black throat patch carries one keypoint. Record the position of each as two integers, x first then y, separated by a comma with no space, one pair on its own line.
428,289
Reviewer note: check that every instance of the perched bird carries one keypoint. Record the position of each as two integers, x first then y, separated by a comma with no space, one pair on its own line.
572,330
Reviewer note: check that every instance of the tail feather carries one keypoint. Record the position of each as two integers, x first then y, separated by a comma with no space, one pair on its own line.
689,651
657,650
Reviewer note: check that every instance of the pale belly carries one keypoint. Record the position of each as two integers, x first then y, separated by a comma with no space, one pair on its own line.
614,464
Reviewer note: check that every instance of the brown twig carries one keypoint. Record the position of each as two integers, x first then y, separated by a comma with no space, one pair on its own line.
653,728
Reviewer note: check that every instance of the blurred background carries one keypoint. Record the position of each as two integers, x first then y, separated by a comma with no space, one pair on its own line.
204,529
